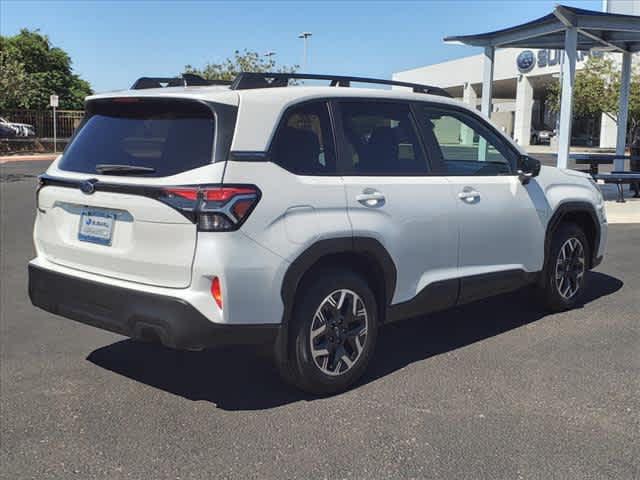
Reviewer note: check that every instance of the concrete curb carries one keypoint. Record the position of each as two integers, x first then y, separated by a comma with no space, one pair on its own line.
45,157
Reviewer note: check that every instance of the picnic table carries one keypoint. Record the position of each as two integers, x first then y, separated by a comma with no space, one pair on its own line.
620,179
594,160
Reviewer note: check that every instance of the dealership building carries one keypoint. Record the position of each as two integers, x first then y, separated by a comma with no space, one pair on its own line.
521,81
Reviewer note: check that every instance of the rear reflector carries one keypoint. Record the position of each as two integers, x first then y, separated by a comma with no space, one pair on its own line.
216,293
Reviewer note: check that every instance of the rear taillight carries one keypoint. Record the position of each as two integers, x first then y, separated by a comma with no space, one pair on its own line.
214,209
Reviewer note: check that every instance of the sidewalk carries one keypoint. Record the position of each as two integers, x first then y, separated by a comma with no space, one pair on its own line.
628,212
553,150
44,157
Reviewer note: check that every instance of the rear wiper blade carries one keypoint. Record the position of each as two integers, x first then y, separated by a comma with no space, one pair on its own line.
109,168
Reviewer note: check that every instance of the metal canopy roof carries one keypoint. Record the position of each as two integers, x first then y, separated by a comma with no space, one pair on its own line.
569,29
605,31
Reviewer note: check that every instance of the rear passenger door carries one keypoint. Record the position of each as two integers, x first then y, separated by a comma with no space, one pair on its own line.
303,197
501,231
392,197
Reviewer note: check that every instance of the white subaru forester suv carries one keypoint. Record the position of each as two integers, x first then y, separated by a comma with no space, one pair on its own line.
198,214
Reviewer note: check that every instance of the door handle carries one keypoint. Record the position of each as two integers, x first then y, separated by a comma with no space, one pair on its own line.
468,194
371,198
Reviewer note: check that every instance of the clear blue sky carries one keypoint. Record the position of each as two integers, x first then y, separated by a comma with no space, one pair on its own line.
112,43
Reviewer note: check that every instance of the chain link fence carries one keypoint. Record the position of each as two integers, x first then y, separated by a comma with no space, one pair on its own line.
41,121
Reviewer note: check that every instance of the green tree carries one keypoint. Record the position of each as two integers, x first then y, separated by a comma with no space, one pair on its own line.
242,61
597,91
13,82
32,70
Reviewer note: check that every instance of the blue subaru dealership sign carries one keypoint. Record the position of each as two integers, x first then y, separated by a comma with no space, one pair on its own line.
545,57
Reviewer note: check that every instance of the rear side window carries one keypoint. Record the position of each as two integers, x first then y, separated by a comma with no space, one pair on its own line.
156,138
304,141
381,139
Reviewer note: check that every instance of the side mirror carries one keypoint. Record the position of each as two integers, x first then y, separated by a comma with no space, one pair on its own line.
528,167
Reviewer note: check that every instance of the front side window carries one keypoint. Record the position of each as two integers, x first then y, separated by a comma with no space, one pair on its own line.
304,141
460,145
381,140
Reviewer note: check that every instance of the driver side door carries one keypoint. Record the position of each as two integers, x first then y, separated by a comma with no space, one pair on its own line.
500,220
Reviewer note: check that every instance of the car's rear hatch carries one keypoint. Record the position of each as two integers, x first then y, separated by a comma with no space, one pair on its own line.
106,206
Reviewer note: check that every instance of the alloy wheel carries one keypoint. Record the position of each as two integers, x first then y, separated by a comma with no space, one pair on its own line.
570,268
338,332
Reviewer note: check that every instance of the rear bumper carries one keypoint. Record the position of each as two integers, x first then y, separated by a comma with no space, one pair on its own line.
172,321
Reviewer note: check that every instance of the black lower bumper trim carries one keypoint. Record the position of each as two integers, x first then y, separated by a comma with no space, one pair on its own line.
172,321
597,261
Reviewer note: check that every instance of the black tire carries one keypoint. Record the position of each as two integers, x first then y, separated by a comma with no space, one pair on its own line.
299,367
554,290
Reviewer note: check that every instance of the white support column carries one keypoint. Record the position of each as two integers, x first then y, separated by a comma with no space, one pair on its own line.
470,98
487,94
487,80
623,110
608,131
566,103
524,109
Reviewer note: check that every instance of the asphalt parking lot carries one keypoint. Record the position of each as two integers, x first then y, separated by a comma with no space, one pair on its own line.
496,389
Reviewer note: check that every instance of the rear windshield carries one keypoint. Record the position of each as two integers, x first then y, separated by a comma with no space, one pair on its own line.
156,138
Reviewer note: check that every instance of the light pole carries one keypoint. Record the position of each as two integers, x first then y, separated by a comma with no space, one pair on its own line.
304,36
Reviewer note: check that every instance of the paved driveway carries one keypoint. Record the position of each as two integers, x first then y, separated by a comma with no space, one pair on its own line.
496,389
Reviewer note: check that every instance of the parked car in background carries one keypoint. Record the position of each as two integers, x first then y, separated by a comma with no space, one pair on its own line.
19,129
541,136
583,139
6,131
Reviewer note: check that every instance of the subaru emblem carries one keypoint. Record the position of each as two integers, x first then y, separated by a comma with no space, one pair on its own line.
526,61
88,186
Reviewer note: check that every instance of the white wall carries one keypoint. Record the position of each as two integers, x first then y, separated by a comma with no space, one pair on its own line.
608,132
455,73
624,7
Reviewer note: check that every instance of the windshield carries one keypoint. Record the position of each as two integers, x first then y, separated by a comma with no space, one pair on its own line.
156,138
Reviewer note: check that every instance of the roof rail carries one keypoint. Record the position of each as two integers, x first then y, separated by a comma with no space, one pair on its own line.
186,80
250,80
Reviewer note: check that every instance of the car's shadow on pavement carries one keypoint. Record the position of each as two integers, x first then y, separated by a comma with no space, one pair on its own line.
243,378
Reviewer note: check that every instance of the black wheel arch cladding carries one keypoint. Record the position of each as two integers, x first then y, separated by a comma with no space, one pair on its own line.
576,212
360,247
363,247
